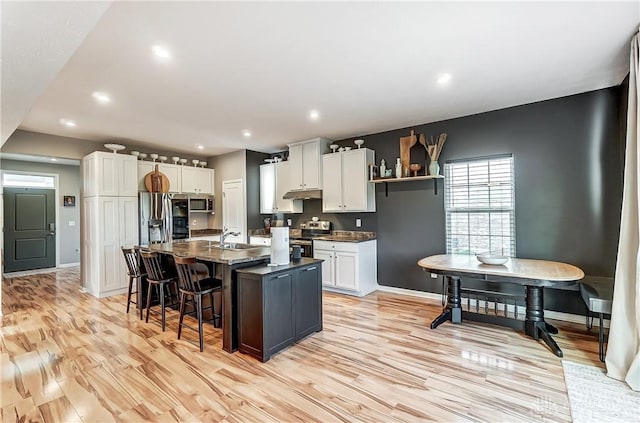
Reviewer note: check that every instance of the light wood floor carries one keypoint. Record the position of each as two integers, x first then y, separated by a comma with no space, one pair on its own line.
68,357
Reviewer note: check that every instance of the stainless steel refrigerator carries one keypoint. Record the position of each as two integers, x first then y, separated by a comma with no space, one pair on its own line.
163,217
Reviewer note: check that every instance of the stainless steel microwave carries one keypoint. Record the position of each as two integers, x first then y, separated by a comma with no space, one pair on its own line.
202,203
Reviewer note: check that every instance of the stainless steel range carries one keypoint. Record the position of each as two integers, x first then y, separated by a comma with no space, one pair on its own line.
308,231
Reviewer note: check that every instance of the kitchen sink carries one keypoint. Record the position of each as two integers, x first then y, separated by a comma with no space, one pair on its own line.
239,246
233,246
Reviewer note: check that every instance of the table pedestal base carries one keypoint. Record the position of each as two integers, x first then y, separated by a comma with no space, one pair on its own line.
534,324
453,309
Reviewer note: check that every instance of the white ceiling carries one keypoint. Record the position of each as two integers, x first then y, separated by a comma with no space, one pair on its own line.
366,67
37,40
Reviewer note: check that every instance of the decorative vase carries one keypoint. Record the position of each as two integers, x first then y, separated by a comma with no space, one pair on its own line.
398,168
434,168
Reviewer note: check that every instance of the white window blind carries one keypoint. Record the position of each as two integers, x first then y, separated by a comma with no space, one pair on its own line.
480,207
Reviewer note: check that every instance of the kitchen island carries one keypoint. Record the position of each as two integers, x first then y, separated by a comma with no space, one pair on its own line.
229,260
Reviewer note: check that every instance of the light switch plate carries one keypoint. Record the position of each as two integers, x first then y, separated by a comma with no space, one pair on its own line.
72,223
358,223
288,222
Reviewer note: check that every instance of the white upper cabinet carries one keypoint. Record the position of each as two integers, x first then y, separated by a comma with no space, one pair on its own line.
172,172
197,180
109,174
305,158
274,183
345,182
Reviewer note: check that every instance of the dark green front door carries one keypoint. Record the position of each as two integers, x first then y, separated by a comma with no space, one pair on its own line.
29,229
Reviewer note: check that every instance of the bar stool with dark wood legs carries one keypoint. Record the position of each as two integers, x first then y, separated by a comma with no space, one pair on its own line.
135,274
193,286
158,277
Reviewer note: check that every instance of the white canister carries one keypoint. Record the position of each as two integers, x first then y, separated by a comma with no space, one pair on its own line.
279,246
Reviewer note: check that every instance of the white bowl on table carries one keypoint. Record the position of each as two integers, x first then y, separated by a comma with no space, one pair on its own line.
492,259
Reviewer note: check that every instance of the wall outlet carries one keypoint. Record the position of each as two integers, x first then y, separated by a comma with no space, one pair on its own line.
72,223
288,222
434,276
358,223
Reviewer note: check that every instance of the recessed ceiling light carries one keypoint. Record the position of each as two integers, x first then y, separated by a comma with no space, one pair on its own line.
101,97
314,115
53,159
246,133
200,147
444,78
161,51
68,123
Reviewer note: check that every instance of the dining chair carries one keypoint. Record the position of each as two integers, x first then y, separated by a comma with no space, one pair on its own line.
192,289
136,274
162,280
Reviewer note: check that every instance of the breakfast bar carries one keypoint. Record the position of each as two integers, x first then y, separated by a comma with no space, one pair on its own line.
533,274
230,260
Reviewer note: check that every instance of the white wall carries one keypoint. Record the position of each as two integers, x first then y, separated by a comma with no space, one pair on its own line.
228,166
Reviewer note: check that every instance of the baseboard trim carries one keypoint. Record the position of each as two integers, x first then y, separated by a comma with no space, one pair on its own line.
9,275
556,315
62,266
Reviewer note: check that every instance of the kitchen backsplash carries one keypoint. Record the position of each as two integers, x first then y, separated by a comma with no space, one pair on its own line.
340,221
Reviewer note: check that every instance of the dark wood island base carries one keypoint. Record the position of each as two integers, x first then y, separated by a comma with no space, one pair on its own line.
278,306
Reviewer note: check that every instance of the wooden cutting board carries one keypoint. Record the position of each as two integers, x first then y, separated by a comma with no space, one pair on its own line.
405,149
156,181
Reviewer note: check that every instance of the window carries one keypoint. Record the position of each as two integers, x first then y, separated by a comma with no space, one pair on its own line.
27,181
479,206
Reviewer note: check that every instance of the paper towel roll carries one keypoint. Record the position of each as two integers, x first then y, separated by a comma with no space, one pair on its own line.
279,246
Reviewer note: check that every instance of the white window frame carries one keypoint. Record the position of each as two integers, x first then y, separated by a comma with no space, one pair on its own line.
470,210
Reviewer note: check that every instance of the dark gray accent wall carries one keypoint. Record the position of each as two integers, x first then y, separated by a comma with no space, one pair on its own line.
254,160
568,160
568,187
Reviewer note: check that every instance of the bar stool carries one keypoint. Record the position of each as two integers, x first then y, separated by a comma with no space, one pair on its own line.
158,277
193,286
135,274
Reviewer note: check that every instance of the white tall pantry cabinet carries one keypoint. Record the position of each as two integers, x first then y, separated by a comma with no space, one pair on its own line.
109,219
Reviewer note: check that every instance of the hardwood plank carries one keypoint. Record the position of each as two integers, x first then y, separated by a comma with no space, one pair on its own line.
64,352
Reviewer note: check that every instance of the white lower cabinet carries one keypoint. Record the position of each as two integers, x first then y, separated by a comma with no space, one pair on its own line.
108,223
348,267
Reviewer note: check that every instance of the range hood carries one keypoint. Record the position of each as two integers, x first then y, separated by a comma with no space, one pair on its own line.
303,195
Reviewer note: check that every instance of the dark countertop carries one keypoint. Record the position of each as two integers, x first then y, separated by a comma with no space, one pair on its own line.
338,235
263,269
348,236
207,251
205,232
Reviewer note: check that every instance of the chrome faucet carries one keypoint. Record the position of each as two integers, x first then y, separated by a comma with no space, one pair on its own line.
225,234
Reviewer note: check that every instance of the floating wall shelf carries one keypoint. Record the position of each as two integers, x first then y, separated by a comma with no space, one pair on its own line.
386,181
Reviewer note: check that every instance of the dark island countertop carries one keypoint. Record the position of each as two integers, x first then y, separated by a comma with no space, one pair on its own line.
205,232
264,269
208,251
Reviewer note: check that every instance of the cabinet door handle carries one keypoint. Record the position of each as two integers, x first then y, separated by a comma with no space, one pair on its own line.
282,276
311,268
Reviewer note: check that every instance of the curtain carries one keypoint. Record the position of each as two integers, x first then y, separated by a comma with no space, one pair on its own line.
623,354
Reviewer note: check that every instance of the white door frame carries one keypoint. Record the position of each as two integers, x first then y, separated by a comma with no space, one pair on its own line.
244,205
57,207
